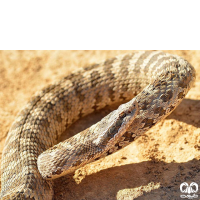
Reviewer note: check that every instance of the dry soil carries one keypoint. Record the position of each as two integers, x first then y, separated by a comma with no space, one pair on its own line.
152,167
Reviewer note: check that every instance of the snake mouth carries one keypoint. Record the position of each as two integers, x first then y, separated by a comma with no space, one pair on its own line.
62,160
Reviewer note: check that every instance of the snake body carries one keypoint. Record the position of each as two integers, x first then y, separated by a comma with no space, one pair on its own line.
152,83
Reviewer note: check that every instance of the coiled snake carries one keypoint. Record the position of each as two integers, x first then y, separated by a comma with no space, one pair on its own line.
153,82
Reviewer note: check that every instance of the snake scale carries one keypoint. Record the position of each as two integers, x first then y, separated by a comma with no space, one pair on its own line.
152,83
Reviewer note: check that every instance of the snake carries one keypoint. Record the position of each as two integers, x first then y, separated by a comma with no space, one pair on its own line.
146,85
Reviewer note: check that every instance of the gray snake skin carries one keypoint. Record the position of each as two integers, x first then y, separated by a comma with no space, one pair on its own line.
152,83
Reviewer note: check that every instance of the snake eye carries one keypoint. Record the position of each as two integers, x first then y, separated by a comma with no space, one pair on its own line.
122,115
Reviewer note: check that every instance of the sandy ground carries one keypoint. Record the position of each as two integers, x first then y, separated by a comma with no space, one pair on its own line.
152,167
